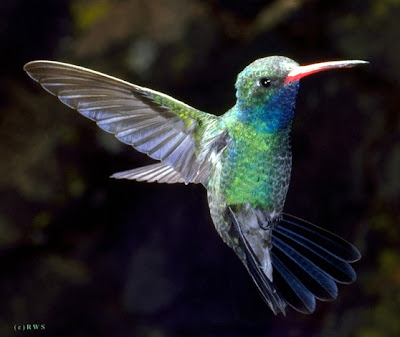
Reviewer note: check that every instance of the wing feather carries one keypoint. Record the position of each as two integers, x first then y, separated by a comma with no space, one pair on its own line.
154,123
152,173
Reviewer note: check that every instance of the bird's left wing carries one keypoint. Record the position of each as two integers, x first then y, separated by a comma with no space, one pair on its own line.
154,123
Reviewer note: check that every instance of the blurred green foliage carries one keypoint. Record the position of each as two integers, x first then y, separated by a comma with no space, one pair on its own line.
87,14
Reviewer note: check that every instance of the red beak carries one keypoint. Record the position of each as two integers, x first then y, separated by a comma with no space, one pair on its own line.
302,71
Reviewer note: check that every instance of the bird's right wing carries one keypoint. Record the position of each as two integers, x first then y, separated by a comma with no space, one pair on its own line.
154,123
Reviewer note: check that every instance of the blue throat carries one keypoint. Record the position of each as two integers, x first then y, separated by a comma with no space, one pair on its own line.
274,115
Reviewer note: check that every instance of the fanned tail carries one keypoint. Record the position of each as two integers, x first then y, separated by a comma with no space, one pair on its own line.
308,261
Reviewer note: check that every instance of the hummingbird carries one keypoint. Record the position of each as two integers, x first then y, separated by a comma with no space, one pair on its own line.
243,158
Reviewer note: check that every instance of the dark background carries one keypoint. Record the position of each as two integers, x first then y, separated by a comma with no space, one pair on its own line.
91,256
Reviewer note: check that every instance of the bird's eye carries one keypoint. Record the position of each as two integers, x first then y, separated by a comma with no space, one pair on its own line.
264,82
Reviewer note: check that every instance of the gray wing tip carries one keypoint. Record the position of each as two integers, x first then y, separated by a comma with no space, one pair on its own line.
118,175
33,68
37,63
29,65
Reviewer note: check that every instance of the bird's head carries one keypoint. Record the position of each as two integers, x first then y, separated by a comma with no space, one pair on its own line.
266,89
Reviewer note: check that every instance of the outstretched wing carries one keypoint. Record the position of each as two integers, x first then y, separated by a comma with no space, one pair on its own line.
154,123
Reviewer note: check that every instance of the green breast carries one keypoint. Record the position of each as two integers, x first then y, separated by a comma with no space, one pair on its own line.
258,167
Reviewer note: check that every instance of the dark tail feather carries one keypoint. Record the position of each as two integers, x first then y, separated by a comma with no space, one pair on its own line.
291,288
266,288
307,262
